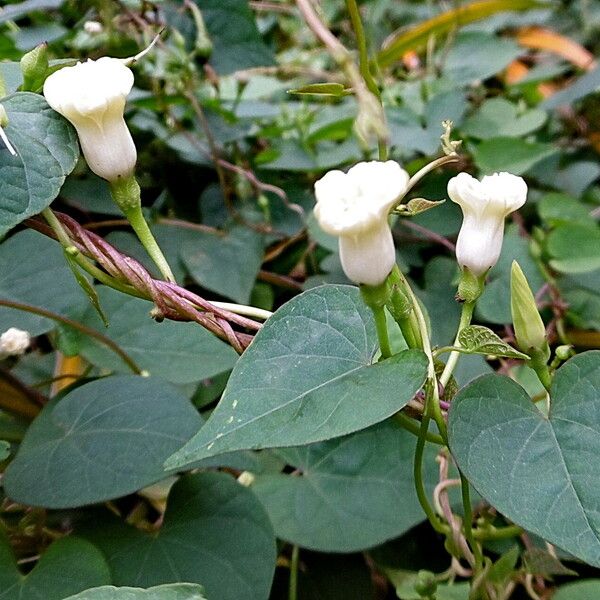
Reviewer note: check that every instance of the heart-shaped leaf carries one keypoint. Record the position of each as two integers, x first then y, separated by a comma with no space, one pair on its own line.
305,378
579,590
104,439
47,152
215,533
540,472
346,492
69,566
177,591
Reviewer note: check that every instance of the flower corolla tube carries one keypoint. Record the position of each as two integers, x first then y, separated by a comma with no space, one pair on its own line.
354,206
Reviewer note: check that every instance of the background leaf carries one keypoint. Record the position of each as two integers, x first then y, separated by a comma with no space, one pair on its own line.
68,566
177,591
215,532
102,440
347,492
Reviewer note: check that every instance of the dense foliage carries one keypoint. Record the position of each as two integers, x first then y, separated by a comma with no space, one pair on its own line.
155,446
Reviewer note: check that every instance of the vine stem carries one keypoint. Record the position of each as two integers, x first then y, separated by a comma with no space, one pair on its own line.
418,477
465,319
413,427
382,331
76,325
468,523
293,587
363,63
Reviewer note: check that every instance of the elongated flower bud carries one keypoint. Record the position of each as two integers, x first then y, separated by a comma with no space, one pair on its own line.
529,327
354,206
92,96
485,205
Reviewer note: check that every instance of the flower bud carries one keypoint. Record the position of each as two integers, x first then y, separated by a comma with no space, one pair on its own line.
529,327
92,95
14,342
354,206
34,66
485,205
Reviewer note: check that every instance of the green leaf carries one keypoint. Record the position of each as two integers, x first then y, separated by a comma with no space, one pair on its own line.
33,271
334,90
102,440
498,117
476,55
179,352
176,591
556,208
303,378
47,152
4,450
215,532
228,264
346,492
582,293
417,206
67,567
16,11
514,155
481,340
417,37
579,590
237,44
574,248
538,471
538,561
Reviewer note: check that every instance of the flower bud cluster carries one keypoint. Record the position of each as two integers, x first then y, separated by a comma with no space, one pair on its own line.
14,342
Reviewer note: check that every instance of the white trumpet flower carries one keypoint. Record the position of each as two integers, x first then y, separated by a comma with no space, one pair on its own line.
92,96
485,205
354,206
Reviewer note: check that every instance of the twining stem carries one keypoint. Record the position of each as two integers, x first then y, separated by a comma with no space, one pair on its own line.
435,408
363,63
79,327
414,427
382,331
418,477
135,216
293,585
66,242
468,523
465,319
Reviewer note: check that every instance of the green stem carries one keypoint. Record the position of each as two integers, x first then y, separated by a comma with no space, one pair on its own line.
465,319
135,216
418,477
434,401
468,523
293,586
364,67
382,331
413,427
501,533
75,325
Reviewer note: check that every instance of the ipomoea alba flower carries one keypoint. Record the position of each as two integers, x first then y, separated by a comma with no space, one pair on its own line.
354,206
485,205
14,342
92,96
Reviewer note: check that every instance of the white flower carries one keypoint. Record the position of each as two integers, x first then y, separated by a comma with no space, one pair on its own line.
92,96
14,342
485,205
354,206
